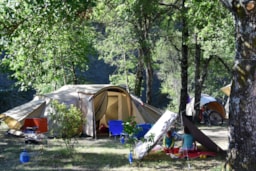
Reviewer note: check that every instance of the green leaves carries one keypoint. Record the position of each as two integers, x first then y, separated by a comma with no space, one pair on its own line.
130,128
68,122
46,41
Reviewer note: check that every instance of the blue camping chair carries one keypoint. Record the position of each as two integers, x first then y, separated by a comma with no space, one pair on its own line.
115,127
143,129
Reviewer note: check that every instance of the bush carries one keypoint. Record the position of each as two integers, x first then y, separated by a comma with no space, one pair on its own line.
130,127
67,122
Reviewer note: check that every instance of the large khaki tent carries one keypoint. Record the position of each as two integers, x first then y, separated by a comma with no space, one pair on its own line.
99,104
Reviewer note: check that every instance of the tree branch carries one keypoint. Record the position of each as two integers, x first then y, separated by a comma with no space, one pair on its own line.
170,8
172,5
11,28
227,4
223,62
205,69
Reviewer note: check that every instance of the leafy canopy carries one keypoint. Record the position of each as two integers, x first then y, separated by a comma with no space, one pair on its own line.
46,41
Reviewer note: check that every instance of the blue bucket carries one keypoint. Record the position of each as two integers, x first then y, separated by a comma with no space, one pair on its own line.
24,157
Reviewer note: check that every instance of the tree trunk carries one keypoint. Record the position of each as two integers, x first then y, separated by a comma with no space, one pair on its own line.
146,13
139,76
184,66
126,74
149,79
146,61
198,81
74,76
242,149
242,121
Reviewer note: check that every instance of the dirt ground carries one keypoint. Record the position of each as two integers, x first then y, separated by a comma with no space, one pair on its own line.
219,135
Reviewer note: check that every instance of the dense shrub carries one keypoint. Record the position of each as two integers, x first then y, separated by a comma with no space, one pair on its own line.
67,122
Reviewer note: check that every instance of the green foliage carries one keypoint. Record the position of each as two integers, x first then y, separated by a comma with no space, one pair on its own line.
130,127
213,26
127,39
67,123
217,78
46,41
117,49
168,58
117,44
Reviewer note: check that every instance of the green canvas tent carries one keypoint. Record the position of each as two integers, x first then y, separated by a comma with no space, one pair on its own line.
98,102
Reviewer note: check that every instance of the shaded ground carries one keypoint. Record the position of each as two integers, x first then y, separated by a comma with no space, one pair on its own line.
102,154
217,134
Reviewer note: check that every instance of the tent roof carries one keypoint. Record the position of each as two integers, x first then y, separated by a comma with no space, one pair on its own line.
65,92
72,90
205,98
68,91
20,112
13,116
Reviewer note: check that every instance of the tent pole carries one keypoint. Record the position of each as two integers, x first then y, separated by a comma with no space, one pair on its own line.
94,121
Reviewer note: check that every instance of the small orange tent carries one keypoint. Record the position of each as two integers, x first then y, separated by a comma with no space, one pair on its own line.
211,103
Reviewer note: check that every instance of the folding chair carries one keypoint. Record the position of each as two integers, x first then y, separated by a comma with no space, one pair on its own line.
115,128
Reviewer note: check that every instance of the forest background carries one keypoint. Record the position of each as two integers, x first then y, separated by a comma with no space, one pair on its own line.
150,47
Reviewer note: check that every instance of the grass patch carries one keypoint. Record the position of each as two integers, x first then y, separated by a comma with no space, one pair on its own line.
100,155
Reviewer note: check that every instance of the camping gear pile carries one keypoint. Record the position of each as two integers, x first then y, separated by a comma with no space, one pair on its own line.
31,136
34,130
